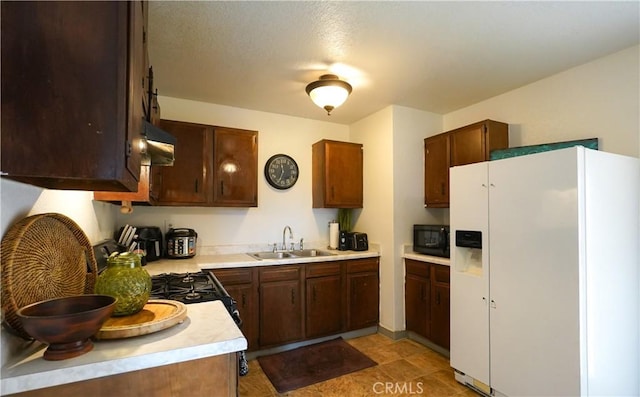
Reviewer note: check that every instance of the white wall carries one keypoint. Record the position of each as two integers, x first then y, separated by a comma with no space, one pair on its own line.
600,99
276,208
393,194
19,200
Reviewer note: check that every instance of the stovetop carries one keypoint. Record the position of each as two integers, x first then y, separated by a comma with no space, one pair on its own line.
187,287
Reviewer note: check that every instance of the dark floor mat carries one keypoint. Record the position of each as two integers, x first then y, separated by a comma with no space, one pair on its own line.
311,364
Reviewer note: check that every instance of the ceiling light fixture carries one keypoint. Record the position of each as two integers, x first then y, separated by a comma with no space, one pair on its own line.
329,92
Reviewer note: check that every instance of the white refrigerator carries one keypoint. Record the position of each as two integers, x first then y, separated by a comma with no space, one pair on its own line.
548,305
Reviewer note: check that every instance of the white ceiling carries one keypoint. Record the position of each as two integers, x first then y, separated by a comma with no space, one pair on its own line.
434,56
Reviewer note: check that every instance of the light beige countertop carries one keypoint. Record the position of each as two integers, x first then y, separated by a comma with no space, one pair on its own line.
203,262
410,254
207,331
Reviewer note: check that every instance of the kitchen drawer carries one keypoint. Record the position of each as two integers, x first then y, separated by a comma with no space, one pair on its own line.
417,268
323,269
362,265
234,276
279,273
441,274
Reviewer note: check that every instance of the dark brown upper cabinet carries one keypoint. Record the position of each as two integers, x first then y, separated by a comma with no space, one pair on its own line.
337,174
72,94
465,145
214,167
235,172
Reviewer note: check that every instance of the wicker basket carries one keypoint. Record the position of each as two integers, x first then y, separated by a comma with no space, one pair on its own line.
44,257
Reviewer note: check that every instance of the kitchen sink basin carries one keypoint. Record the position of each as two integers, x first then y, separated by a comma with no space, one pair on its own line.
271,255
310,252
305,253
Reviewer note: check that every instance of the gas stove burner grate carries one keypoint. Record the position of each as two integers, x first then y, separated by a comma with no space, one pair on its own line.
190,288
188,279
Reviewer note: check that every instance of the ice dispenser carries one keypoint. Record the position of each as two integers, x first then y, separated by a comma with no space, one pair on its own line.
469,251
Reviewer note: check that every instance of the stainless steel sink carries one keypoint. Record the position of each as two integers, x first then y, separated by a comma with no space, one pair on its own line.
305,253
270,255
310,252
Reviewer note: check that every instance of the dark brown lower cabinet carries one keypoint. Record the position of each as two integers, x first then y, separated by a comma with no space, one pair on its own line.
440,317
363,293
427,297
418,298
281,305
325,303
239,283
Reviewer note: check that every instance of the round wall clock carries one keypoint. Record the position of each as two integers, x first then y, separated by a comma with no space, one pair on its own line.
281,171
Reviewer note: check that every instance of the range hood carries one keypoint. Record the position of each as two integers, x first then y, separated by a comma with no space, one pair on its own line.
160,145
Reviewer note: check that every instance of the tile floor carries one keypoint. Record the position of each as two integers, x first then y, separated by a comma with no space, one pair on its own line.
405,368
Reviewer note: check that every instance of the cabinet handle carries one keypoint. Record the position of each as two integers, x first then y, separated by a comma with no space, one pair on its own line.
293,297
222,188
196,185
332,193
438,298
314,293
422,292
442,188
244,301
155,94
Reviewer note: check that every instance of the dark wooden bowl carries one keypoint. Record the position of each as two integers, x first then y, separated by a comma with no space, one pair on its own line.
66,324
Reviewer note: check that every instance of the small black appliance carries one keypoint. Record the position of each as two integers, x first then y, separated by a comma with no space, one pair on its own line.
431,240
150,241
342,241
357,241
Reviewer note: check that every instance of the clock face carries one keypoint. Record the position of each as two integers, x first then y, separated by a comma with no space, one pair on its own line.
281,171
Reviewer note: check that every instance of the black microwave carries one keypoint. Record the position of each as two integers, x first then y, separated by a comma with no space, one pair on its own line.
431,240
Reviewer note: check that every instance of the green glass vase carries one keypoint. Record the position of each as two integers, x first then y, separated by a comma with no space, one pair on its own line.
126,280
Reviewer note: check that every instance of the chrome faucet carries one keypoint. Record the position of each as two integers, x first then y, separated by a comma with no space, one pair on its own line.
284,244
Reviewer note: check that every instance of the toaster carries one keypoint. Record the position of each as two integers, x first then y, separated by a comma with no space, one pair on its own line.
357,241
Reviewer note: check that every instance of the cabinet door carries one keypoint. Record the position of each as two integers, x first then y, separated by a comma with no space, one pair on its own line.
337,174
363,293
280,312
417,299
324,306
245,298
436,171
137,77
474,143
235,174
241,285
281,305
185,183
440,306
67,121
467,145
440,316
